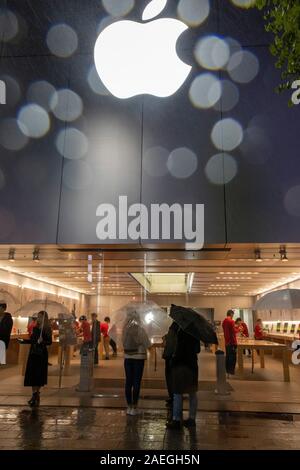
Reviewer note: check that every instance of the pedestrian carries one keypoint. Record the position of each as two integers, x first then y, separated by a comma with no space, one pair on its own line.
105,334
258,330
241,330
6,325
113,339
230,342
184,372
135,344
170,342
32,324
36,374
96,336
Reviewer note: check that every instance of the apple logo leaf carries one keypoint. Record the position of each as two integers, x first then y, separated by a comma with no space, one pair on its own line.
153,9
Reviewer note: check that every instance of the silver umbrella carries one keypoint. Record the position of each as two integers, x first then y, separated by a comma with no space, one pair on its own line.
285,299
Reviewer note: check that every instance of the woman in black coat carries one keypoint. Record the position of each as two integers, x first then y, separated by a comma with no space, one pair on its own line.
36,375
184,370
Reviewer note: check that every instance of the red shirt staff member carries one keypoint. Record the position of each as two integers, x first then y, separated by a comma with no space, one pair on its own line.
230,342
258,330
85,330
104,331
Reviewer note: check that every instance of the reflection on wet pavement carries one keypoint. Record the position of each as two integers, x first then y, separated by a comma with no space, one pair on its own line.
109,429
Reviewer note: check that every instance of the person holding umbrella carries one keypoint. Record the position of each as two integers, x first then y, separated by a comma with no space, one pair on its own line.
36,375
192,328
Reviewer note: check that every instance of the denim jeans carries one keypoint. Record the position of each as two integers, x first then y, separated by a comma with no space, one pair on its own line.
134,369
177,406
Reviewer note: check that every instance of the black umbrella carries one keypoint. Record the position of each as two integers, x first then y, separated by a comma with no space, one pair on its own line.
194,324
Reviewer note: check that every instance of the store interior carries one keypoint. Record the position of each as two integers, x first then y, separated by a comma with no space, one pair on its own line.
81,280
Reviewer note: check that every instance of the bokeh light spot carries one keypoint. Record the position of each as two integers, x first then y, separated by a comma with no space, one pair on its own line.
11,136
193,12
66,105
205,91
118,8
9,25
34,121
243,67
221,169
229,96
244,3
212,53
182,163
72,144
292,201
95,82
41,92
227,134
62,40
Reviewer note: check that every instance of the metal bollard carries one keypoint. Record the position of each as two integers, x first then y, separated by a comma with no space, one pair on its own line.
222,385
86,369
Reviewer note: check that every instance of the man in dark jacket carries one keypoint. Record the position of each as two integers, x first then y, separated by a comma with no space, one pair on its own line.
96,336
6,324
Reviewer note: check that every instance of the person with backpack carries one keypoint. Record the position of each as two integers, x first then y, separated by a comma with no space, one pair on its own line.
135,344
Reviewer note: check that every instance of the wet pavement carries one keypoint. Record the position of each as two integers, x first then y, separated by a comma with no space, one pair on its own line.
58,428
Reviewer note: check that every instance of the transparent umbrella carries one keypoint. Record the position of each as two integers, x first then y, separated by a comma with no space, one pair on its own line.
284,299
53,308
155,319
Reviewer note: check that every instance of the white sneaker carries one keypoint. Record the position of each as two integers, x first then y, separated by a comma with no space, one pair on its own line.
135,412
129,411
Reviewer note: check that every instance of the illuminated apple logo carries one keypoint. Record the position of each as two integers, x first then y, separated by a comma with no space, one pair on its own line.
140,58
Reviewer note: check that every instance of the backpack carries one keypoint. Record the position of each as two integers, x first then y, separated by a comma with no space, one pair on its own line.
131,339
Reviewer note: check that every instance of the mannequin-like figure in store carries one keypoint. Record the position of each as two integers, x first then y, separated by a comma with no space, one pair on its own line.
6,324
230,342
36,374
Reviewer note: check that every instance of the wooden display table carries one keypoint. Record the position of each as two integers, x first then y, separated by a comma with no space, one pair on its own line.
155,347
14,354
262,346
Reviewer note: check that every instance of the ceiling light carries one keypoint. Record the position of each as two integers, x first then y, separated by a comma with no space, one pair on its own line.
11,255
36,255
258,256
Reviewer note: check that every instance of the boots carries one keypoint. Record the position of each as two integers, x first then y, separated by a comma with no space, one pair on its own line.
35,399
